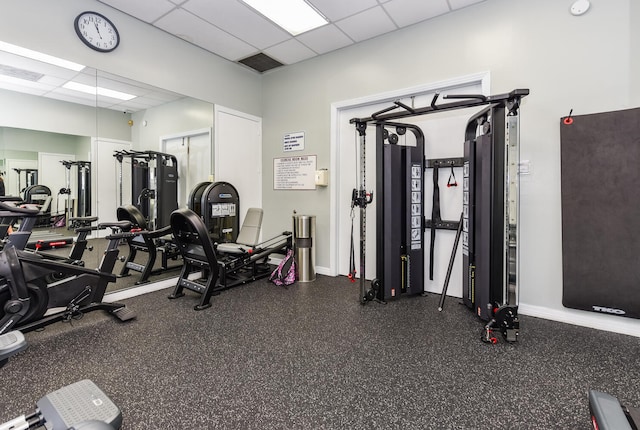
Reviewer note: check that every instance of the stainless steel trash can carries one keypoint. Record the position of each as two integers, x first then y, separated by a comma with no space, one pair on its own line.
304,236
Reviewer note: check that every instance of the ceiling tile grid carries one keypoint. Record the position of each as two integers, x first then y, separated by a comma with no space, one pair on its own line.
233,30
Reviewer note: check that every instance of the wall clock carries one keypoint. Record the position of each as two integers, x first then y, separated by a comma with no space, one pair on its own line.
97,31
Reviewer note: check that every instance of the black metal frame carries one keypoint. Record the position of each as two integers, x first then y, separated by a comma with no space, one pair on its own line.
158,203
149,242
496,305
219,272
400,249
23,278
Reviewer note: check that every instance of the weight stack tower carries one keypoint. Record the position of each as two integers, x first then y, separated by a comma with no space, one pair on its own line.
399,211
490,204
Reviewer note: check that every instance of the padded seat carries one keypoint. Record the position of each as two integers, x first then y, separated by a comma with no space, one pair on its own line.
248,236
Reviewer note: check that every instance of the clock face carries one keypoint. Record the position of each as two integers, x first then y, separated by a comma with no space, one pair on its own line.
97,32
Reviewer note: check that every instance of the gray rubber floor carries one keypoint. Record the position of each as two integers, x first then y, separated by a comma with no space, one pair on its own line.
311,357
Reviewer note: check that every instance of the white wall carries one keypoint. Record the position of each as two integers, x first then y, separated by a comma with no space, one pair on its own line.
182,115
580,63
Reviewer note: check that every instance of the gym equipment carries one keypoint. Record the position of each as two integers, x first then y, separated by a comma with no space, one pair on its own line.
154,184
11,343
219,272
490,207
608,414
148,241
40,195
220,206
600,212
248,236
79,406
83,208
25,295
452,259
436,222
10,214
195,197
30,178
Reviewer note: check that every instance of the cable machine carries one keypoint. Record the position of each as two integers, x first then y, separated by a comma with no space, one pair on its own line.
30,178
83,195
490,207
154,184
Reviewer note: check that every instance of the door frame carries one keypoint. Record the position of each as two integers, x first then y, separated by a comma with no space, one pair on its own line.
217,110
188,134
335,206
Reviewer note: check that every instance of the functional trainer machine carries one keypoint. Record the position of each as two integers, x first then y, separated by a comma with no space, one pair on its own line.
490,207
83,208
154,184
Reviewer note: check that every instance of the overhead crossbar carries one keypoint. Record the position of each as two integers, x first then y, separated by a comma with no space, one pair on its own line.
469,100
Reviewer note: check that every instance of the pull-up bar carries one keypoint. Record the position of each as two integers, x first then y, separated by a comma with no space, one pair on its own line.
469,100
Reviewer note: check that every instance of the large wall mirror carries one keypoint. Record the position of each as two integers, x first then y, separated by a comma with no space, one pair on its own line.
60,128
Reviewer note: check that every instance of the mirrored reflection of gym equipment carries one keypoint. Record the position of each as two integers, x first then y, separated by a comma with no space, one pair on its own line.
30,178
490,208
83,192
154,184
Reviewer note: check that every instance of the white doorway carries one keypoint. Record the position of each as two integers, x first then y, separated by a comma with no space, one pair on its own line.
238,155
192,150
444,137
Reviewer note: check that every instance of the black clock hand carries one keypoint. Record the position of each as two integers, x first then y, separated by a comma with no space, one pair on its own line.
97,29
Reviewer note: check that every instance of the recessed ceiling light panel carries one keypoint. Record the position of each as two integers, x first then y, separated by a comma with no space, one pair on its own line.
295,16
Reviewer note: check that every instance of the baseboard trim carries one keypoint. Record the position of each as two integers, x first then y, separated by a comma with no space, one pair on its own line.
139,290
609,323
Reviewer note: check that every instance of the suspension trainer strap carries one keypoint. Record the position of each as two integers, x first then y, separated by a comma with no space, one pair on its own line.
435,218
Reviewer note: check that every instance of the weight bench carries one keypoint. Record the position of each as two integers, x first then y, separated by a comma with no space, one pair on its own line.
218,271
149,242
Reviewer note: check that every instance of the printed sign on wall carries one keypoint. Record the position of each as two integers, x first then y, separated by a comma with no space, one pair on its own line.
294,173
293,141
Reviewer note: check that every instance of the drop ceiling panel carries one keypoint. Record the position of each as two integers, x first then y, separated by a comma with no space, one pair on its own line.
197,31
407,12
22,86
290,52
325,39
145,10
239,20
366,25
338,9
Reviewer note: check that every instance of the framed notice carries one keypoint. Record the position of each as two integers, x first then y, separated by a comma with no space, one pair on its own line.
294,173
